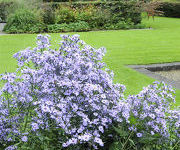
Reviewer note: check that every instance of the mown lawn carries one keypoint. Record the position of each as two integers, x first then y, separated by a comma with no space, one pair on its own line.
158,45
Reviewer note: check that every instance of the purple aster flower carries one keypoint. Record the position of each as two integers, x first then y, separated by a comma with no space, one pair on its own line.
65,144
101,129
35,126
12,147
24,139
139,134
152,133
99,141
85,137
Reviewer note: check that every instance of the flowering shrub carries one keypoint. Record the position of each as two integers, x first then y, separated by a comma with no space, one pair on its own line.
150,111
65,89
151,106
67,98
152,124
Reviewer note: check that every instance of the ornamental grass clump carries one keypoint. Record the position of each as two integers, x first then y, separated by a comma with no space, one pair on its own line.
65,98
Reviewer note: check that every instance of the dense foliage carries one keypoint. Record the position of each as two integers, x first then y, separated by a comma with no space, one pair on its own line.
48,14
55,0
23,21
66,99
77,16
4,11
170,9
77,26
64,0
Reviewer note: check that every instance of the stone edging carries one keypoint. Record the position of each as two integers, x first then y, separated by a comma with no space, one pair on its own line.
150,69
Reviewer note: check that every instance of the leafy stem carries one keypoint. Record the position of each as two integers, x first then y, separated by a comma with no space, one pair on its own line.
127,140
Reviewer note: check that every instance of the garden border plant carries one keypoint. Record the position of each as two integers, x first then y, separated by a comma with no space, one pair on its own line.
170,9
66,17
66,99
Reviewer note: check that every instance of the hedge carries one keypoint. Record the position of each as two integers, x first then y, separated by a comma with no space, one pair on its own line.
123,10
170,9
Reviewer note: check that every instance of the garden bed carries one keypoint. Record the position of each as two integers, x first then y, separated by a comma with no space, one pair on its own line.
70,17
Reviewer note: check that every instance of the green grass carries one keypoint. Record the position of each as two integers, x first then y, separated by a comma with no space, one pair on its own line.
158,45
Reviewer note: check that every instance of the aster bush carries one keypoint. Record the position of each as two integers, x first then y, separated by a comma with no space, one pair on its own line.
65,90
152,124
65,98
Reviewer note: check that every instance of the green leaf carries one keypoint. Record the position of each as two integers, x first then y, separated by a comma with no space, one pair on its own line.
121,132
147,139
115,146
132,120
47,138
131,141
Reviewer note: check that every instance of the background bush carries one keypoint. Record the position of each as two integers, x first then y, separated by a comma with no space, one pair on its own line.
95,16
55,28
77,26
64,14
170,9
127,11
63,0
100,15
75,16
4,10
48,14
23,21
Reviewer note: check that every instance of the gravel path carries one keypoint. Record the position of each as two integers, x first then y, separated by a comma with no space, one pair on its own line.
2,33
171,77
172,74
